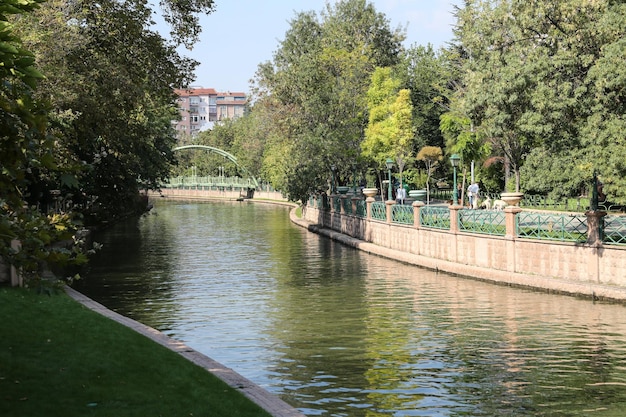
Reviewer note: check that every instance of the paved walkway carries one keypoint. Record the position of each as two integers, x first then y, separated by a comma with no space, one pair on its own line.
269,402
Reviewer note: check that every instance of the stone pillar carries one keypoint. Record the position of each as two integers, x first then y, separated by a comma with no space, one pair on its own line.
454,218
510,212
354,201
595,220
389,205
342,208
16,277
368,203
417,206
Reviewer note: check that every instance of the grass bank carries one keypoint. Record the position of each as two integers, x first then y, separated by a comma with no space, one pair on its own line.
58,358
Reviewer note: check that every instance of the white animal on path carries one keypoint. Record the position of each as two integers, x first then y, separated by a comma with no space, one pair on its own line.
499,205
486,204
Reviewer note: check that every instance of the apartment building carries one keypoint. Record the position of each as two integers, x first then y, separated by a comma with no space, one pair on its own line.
200,108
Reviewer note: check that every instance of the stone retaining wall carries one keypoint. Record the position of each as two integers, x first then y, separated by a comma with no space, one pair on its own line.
199,194
590,269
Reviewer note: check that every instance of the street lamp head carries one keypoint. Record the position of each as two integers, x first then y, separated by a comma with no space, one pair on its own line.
333,168
389,163
454,160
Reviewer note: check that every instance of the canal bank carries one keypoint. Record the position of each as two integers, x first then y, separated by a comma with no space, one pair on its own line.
270,403
384,239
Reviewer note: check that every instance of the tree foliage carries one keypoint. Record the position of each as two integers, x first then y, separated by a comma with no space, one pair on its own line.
318,81
26,156
389,133
82,141
431,156
543,79
427,77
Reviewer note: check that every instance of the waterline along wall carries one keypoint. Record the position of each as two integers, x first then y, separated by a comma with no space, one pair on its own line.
566,253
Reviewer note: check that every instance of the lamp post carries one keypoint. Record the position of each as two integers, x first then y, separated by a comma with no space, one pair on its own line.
333,168
389,163
454,160
594,193
354,179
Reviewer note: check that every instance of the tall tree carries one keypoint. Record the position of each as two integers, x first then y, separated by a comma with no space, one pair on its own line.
389,133
27,158
84,139
427,77
110,81
536,87
318,79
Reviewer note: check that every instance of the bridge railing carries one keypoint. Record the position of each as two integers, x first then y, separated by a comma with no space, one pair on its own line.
209,182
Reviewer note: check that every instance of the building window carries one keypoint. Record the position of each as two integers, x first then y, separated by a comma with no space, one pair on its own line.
194,119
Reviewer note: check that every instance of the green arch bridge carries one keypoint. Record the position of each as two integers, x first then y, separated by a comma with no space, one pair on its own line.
246,181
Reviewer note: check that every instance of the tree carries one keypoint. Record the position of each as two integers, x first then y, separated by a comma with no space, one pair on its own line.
389,133
536,85
111,104
318,82
430,155
83,140
27,158
427,77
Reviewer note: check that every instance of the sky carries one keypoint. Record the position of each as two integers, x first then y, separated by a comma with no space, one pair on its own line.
241,34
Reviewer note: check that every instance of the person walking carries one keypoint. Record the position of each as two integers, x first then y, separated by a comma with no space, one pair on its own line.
400,195
472,193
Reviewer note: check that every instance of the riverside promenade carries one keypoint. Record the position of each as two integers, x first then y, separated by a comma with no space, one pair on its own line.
589,269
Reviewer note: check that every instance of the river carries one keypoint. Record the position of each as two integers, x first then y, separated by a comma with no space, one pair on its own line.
337,332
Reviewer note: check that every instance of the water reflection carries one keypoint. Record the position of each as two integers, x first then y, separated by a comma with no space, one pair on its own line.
338,332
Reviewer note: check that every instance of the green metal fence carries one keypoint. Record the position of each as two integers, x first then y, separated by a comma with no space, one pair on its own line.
490,222
361,208
209,182
528,224
379,211
336,203
614,230
347,205
546,226
435,217
401,213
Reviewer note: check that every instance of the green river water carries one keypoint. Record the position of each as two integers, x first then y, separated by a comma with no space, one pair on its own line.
337,332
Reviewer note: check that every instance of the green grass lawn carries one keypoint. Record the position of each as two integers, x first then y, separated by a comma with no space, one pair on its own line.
58,358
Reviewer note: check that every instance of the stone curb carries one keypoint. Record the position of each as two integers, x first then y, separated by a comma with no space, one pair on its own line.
269,402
